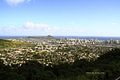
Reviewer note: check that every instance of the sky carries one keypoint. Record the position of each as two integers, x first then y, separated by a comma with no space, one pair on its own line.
60,18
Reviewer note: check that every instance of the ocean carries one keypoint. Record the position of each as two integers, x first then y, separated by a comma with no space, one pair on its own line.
89,37
69,37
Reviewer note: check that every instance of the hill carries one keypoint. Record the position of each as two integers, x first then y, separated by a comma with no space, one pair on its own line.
12,44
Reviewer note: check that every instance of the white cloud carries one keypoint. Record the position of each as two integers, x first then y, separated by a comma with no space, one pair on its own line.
28,28
36,26
16,2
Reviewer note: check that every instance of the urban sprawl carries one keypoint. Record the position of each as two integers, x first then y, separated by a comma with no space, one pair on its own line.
49,50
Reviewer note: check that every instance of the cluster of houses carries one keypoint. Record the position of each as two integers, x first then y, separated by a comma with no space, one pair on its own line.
54,51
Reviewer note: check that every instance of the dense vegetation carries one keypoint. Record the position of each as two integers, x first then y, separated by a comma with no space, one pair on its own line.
106,67
13,44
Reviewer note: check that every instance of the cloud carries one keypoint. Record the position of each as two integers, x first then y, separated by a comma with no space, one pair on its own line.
16,2
36,26
28,28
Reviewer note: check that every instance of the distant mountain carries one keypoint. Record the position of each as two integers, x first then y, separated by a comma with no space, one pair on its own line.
43,37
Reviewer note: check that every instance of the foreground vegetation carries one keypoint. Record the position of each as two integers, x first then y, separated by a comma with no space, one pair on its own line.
104,67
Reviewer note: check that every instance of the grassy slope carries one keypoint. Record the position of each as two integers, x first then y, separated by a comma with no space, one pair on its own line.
12,44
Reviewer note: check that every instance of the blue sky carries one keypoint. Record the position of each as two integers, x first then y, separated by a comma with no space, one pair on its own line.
60,17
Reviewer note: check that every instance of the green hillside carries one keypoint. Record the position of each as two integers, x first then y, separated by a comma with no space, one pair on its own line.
12,44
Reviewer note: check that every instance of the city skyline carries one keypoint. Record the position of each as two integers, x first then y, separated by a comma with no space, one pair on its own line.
60,17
